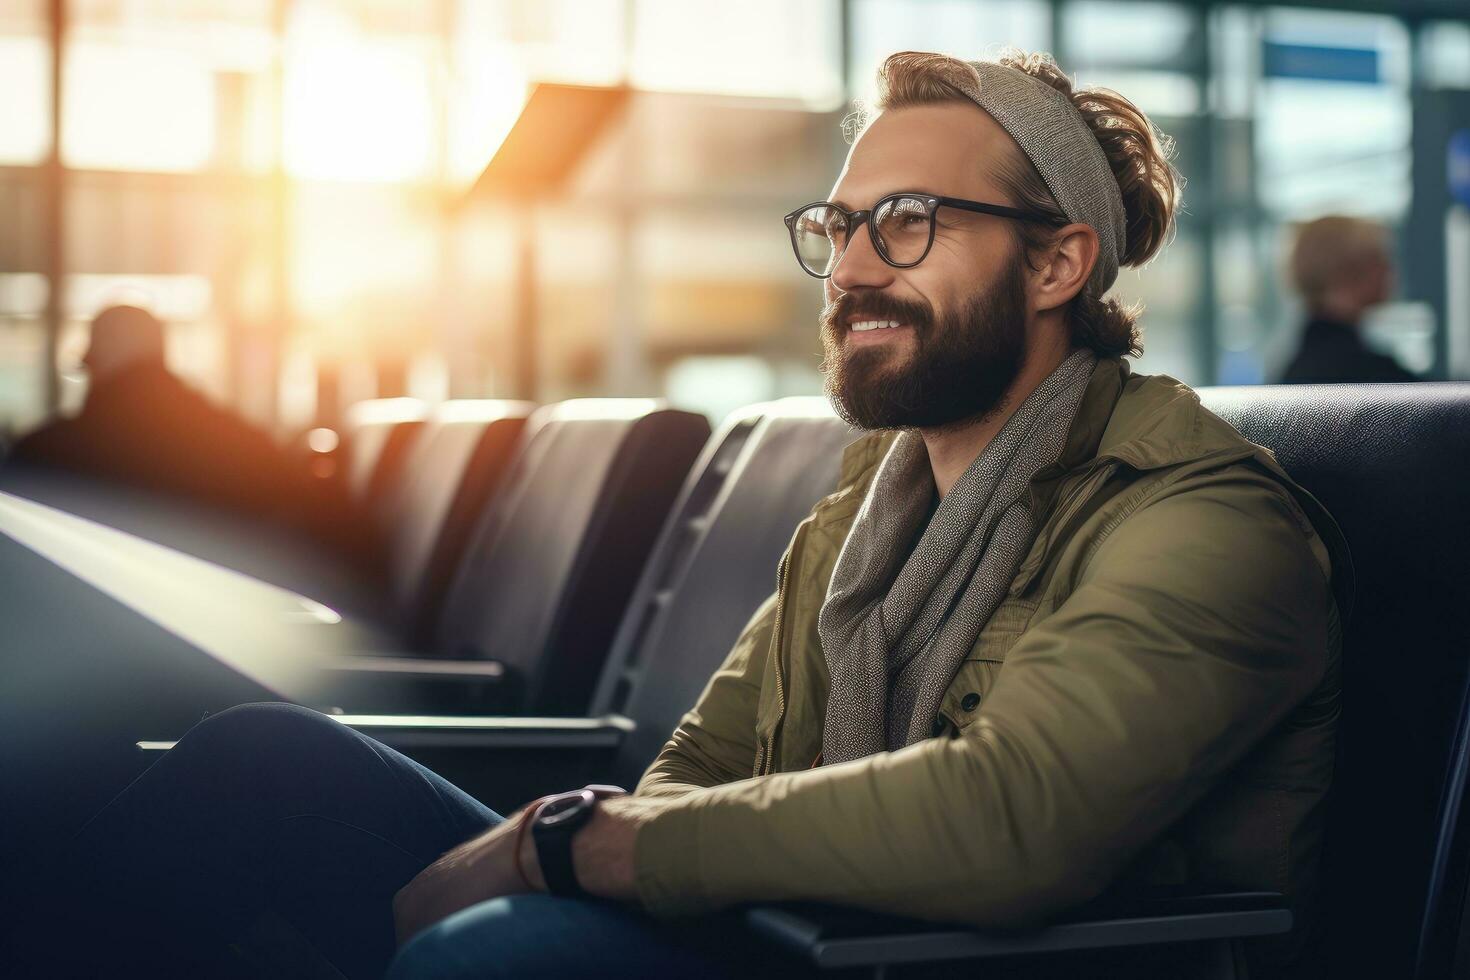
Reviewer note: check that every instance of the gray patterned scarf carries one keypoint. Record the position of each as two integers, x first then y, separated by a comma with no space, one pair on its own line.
899,618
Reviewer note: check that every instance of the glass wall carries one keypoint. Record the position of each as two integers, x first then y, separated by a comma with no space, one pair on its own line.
25,141
289,183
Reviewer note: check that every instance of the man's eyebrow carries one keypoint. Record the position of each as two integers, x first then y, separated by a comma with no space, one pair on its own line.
903,190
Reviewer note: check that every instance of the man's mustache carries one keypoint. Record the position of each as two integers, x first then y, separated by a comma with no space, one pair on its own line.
836,315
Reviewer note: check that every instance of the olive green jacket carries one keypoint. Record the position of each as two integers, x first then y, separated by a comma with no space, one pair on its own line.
1153,702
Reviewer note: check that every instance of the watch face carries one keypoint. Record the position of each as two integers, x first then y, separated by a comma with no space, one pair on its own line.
565,808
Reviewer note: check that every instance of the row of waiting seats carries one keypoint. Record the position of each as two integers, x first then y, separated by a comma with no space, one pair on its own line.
545,595
698,544
1390,463
513,538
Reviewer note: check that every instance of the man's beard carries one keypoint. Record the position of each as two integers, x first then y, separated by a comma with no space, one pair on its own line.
960,368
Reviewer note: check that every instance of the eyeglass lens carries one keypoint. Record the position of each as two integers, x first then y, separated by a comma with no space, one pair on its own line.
900,225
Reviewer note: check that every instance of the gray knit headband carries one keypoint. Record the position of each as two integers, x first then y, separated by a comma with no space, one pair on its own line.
1053,134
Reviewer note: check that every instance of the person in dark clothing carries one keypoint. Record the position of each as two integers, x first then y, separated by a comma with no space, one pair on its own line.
1341,267
143,426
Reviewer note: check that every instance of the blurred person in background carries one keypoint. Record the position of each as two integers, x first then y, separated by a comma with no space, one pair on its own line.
1342,268
143,426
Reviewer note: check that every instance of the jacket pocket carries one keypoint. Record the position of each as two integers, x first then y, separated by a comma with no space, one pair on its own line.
1003,629
978,671
967,692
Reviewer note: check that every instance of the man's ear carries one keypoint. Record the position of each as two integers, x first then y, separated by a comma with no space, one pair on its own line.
1066,268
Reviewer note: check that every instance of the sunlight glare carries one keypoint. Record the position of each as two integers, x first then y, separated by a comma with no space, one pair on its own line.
356,109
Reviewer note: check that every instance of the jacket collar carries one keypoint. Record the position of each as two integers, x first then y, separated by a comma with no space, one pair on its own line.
1143,421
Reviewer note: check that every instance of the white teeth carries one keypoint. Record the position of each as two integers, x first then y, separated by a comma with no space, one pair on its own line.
874,324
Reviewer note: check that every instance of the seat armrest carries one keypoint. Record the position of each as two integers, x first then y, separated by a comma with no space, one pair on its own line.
413,732
417,668
834,938
493,732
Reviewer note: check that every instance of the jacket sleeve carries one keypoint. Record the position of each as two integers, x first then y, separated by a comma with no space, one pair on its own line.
715,742
1197,625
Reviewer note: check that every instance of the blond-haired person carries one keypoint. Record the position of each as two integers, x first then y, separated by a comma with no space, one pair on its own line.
1342,268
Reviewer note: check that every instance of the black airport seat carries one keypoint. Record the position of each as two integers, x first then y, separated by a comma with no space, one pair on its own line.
379,434
551,565
1388,461
1444,940
715,564
453,469
1391,463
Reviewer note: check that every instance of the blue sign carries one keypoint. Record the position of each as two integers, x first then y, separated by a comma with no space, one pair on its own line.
1320,63
1457,167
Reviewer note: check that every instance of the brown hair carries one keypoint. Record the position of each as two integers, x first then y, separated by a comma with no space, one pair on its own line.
1137,152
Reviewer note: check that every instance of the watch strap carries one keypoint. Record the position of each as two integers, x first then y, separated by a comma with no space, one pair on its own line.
554,853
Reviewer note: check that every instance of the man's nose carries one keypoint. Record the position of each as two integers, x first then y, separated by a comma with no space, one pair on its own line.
861,265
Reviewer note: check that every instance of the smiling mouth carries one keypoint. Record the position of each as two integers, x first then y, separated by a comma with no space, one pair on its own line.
863,326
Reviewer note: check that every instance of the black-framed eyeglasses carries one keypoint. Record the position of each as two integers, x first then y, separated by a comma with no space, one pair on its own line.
901,227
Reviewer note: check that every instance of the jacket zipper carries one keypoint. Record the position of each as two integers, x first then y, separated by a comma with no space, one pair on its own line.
764,763
1084,493
1065,511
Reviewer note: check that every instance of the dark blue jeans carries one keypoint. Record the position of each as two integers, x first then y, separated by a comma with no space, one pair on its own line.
271,841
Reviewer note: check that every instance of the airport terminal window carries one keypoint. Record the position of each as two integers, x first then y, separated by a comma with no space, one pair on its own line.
154,86
1169,289
1444,55
358,105
1150,52
1147,50
390,111
1332,135
756,47
1110,34
22,347
363,268
579,41
25,83
129,108
717,386
25,140
1334,115
961,27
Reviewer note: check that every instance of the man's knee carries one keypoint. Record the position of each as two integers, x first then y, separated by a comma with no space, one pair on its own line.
453,947
262,728
538,937
523,936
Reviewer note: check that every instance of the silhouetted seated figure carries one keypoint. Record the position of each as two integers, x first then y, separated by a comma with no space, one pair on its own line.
1342,269
143,426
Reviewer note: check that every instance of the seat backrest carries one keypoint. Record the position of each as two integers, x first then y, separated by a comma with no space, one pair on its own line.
1391,463
555,557
1444,941
454,466
379,432
716,563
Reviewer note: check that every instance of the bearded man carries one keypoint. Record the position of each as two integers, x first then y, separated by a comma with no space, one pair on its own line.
1060,629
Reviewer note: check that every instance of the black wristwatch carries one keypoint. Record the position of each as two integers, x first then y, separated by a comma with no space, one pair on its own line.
556,823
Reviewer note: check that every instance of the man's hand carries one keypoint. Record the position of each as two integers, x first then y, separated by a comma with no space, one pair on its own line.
475,871
485,867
